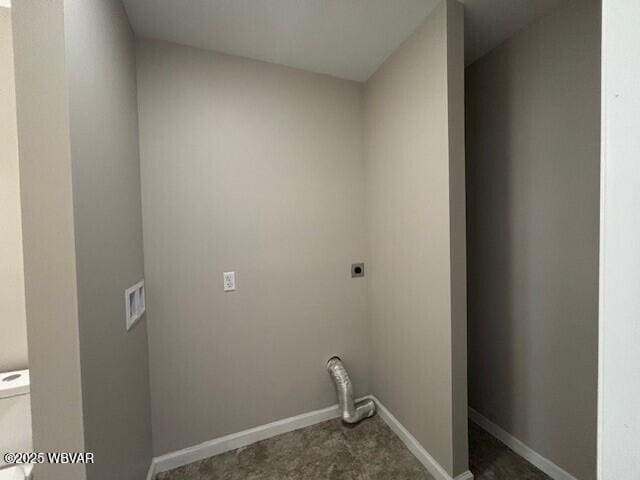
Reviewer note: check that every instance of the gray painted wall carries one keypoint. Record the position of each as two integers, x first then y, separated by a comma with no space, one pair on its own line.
77,114
101,70
48,233
533,144
254,168
415,202
13,321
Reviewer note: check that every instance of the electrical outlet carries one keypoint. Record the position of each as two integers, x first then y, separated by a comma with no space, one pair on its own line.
357,270
229,281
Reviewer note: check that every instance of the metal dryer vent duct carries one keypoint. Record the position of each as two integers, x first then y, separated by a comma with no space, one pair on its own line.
350,412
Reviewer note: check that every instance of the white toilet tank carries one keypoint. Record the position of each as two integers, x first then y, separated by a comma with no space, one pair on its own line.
15,413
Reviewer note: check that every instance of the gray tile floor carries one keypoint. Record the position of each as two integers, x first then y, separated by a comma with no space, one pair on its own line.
327,451
335,451
490,459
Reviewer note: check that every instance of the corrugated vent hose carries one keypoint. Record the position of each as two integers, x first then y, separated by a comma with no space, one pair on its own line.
350,411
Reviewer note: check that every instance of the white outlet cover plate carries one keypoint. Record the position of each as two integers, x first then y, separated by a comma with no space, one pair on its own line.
229,281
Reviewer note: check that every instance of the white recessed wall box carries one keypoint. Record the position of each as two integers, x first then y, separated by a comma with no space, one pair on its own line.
134,304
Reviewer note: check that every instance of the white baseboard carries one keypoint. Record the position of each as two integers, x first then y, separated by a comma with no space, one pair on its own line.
430,463
151,474
224,444
526,452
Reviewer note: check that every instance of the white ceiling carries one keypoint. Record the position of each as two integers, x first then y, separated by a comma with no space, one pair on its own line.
345,38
